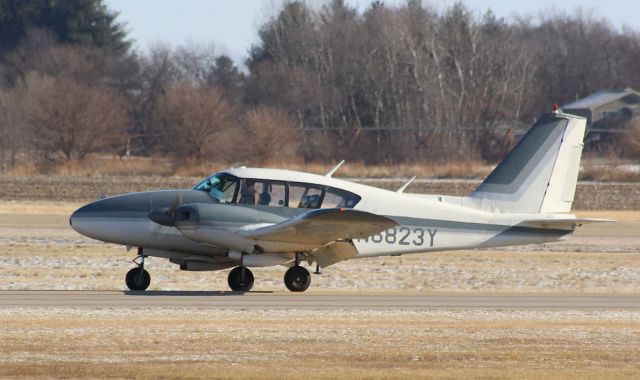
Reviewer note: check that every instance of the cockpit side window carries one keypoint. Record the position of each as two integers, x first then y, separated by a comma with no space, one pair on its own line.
221,187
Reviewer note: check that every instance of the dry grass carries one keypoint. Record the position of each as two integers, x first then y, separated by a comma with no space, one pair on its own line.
38,208
159,166
99,166
165,343
611,171
592,170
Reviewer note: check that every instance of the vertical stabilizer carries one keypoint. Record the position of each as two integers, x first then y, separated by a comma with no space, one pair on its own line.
540,174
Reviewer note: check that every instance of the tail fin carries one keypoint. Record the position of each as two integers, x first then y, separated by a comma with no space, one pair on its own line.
540,174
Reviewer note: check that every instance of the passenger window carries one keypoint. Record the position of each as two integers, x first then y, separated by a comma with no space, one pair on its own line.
271,194
248,194
339,198
332,200
303,196
264,193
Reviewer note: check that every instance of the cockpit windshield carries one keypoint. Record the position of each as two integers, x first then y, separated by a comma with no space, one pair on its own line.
221,187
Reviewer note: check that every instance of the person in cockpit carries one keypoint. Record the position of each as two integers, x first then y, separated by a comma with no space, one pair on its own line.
248,193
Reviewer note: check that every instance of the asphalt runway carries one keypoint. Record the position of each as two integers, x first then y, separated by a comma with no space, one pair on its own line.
314,301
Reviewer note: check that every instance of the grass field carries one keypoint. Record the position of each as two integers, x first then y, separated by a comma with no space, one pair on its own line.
39,251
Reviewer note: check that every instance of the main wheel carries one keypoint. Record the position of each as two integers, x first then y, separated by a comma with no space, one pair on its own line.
236,281
297,279
138,279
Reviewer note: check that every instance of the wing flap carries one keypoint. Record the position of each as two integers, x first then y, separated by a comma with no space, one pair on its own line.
334,252
323,226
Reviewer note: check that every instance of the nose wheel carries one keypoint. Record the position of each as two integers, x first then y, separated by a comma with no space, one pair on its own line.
240,279
138,279
297,279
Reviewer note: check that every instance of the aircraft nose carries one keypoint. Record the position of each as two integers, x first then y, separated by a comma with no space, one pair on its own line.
76,215
78,219
105,219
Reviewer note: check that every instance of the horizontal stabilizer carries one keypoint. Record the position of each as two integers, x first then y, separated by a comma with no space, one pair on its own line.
562,223
321,227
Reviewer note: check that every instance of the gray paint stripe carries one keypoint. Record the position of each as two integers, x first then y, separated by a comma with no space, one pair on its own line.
541,140
401,220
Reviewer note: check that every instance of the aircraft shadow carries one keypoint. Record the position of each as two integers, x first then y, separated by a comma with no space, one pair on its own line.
182,293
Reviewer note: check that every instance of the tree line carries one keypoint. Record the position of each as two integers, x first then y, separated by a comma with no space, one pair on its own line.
386,85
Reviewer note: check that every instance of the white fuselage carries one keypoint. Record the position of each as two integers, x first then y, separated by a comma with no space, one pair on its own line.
424,223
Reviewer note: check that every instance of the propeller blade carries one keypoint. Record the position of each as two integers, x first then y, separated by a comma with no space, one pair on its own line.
166,216
176,203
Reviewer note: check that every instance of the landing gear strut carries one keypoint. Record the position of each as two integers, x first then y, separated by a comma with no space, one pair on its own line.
240,279
138,278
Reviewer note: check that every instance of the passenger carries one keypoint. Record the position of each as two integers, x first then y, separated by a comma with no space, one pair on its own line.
265,196
248,193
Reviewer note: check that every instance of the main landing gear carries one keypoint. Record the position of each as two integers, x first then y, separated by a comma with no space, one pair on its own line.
240,279
138,279
297,278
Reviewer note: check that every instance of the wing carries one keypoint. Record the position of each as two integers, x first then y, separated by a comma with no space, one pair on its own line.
315,230
321,227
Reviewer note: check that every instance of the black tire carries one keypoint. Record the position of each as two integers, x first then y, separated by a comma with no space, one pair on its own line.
138,279
235,281
297,279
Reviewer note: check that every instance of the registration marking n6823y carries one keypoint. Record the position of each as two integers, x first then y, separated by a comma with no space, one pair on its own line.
404,235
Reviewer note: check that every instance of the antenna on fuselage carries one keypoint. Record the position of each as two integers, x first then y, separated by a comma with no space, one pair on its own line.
401,189
335,169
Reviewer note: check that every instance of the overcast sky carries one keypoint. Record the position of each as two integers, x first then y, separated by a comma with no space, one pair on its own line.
232,25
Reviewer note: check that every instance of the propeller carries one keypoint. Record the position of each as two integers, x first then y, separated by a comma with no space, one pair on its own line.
166,216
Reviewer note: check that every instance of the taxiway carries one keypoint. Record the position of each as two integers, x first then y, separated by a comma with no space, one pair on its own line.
316,301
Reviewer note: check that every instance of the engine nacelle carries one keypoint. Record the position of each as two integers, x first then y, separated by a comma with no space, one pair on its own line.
190,222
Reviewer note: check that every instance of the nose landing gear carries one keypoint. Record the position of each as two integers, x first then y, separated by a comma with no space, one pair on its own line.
240,279
138,279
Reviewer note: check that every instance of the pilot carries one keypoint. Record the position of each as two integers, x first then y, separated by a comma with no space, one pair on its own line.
248,193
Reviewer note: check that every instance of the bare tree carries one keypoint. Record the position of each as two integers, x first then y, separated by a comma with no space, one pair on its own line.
158,73
70,120
268,135
190,118
12,128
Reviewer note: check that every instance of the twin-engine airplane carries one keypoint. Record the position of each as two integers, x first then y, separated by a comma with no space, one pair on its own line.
246,217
